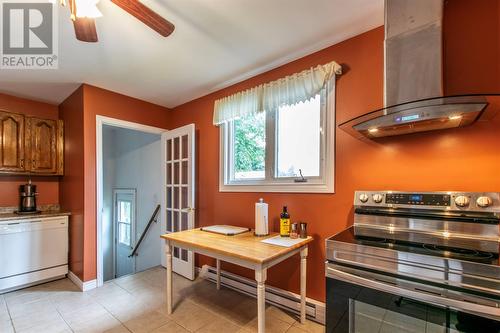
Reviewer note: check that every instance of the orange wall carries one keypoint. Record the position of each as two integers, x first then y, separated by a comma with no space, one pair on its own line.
358,90
102,102
78,186
72,183
48,187
459,159
471,31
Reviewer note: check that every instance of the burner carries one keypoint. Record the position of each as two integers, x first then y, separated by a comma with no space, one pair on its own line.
449,251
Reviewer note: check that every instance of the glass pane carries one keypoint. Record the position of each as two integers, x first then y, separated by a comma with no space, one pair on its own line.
169,150
176,198
184,221
185,146
124,233
184,255
298,139
184,173
368,318
176,172
184,194
250,146
176,148
175,225
176,252
124,211
169,220
169,173
169,197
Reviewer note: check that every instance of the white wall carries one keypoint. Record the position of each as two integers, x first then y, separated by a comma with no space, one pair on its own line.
133,160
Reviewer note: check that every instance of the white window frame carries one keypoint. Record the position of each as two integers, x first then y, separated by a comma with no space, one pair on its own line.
323,184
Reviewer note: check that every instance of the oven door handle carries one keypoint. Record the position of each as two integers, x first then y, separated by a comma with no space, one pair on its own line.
482,310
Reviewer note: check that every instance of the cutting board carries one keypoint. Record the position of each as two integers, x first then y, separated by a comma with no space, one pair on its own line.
227,230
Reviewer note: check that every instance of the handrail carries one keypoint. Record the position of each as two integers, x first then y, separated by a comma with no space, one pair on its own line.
153,218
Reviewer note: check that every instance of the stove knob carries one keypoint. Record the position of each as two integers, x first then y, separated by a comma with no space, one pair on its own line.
462,201
484,202
377,198
363,197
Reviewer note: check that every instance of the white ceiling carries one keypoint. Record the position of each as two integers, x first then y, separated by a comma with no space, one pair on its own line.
216,43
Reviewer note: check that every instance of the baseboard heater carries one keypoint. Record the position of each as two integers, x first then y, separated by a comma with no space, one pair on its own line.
278,297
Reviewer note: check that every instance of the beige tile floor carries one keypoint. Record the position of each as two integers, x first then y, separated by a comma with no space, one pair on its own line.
136,303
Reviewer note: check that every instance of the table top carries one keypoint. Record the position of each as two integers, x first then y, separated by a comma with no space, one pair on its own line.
244,246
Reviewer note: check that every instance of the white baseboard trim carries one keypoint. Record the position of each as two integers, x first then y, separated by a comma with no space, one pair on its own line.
281,298
83,286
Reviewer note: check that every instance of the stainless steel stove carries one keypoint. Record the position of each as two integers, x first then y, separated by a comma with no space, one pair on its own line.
416,262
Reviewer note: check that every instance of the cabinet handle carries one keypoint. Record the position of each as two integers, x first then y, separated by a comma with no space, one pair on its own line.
22,162
33,163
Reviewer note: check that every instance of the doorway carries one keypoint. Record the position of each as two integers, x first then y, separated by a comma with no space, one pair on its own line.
171,152
124,229
129,189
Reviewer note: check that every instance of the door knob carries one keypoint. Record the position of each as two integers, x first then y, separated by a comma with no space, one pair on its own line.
187,210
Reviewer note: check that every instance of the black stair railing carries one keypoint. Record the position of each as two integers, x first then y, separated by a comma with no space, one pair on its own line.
151,220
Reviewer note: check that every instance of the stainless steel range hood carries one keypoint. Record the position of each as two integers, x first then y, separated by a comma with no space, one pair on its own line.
413,77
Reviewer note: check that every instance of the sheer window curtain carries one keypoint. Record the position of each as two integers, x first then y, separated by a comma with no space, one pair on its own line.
292,89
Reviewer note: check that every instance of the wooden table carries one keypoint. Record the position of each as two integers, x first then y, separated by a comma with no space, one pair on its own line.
244,250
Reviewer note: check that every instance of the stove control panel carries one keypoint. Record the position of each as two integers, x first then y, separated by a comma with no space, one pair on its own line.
462,201
418,199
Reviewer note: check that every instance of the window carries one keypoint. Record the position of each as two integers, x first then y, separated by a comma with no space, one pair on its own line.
124,222
286,150
298,139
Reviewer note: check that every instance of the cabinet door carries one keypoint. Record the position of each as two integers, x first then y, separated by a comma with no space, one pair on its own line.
43,133
11,142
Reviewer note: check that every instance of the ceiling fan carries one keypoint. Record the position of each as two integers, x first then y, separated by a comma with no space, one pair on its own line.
84,12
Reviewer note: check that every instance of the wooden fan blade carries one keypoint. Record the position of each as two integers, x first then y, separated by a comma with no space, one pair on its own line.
85,30
146,15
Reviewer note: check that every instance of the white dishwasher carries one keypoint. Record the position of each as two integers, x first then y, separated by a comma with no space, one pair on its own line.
32,251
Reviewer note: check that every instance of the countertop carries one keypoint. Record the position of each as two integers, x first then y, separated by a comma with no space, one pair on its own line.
48,213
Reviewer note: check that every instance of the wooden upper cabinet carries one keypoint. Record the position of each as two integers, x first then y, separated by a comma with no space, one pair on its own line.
45,139
31,145
12,143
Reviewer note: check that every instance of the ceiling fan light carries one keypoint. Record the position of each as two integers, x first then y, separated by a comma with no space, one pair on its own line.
87,8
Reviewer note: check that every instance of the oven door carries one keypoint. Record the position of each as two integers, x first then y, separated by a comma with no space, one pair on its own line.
362,301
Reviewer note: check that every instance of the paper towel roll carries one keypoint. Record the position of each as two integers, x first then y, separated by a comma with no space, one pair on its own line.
261,222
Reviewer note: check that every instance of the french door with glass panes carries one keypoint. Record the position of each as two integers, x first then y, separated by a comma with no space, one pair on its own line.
179,200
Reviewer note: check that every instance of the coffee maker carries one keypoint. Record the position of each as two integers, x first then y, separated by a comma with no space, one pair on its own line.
27,199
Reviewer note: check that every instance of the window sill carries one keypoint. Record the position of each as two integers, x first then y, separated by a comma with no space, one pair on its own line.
278,188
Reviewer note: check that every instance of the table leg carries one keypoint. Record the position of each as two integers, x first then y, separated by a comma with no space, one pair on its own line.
168,251
260,277
218,274
303,274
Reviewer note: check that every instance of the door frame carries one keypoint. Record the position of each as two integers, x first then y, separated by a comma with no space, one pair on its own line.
100,122
133,227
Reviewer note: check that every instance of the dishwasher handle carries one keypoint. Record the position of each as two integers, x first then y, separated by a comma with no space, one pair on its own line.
474,308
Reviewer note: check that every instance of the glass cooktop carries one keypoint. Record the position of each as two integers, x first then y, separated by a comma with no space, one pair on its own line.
347,236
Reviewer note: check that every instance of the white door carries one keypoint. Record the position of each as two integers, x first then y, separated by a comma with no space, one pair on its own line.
124,230
179,199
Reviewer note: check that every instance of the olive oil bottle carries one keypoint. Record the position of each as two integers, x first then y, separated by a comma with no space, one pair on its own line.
285,223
